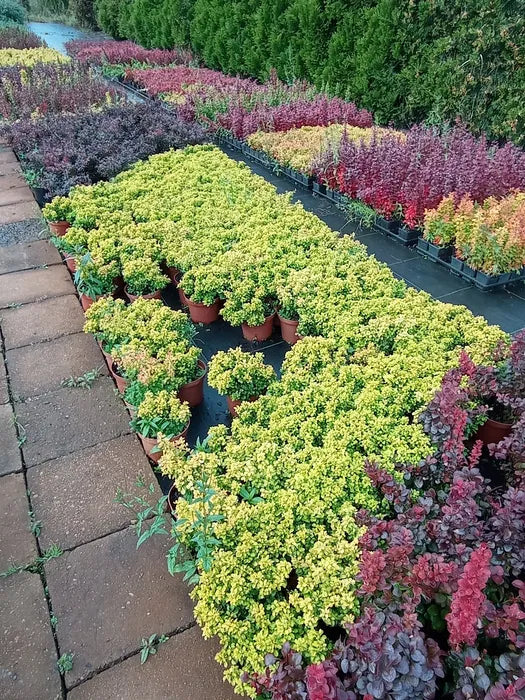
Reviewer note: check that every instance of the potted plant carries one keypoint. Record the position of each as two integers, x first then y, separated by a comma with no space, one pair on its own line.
143,278
250,306
59,215
71,246
92,281
288,315
240,376
201,289
160,414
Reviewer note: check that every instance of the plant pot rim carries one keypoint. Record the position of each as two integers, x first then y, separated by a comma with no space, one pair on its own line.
498,423
202,364
199,303
150,295
259,325
173,437
287,320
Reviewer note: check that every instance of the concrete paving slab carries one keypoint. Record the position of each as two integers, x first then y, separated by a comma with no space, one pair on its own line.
4,392
68,420
15,195
183,668
7,156
28,652
17,543
19,212
45,320
107,595
9,451
38,369
74,496
25,256
35,285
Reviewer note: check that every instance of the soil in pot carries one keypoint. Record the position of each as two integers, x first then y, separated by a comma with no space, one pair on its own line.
134,297
59,228
289,330
259,333
233,404
150,443
201,313
193,392
120,381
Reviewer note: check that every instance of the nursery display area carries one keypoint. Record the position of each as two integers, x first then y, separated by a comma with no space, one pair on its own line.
355,531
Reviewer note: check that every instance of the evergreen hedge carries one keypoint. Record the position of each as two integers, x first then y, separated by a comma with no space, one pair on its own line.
431,60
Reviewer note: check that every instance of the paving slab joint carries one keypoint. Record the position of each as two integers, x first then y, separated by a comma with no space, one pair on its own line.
125,657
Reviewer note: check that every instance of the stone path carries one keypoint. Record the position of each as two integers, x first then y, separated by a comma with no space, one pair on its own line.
63,454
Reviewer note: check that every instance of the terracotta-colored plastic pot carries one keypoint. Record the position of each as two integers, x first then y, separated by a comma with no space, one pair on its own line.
289,330
134,297
120,381
262,332
71,264
59,228
107,356
86,301
149,443
233,404
193,392
201,313
492,431
132,410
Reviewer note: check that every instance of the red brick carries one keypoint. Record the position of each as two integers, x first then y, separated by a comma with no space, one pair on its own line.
38,369
74,495
24,256
15,195
19,212
7,156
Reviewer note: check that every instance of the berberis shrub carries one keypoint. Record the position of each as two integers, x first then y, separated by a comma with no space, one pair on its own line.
290,477
97,146
18,38
51,89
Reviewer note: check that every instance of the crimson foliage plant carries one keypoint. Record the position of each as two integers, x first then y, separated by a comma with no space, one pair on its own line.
94,52
406,176
97,146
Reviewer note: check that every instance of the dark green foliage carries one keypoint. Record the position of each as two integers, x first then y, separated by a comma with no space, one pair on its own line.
407,61
12,12
83,12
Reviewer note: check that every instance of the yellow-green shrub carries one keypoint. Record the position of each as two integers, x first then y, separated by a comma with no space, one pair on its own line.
27,58
286,565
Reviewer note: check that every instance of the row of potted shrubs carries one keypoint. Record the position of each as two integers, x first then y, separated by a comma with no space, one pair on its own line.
287,482
159,371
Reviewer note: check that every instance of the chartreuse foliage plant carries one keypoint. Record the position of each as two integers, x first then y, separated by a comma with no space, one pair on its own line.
27,58
289,478
298,148
240,375
161,413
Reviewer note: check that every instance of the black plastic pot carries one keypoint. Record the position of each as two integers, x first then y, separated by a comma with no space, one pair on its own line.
298,177
319,189
435,252
39,193
406,236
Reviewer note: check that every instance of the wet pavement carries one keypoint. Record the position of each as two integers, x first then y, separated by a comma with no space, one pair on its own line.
56,35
